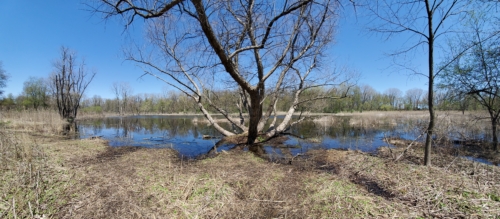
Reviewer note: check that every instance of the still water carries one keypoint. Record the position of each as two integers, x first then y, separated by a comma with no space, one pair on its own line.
185,133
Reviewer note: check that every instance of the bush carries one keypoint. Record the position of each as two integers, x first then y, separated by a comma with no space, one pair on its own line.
386,107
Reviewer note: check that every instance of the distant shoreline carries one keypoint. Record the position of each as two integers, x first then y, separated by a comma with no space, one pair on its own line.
365,113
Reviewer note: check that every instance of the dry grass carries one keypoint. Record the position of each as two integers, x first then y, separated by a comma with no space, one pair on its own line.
46,176
235,184
41,121
29,186
454,187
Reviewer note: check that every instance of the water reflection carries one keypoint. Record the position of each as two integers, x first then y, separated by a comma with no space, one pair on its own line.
185,133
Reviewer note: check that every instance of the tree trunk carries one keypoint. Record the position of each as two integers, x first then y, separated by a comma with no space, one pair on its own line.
211,120
255,115
428,139
430,128
494,133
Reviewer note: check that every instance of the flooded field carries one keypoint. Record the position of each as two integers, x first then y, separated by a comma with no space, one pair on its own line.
363,131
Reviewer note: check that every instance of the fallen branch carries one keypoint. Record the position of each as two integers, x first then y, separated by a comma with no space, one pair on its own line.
406,149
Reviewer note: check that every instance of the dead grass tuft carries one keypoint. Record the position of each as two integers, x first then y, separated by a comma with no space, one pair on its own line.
29,186
454,187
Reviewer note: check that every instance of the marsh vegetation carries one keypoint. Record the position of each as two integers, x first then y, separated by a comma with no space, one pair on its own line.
45,175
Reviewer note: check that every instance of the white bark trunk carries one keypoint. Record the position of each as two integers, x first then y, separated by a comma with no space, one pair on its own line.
212,121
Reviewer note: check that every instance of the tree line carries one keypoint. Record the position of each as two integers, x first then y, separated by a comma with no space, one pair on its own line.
37,95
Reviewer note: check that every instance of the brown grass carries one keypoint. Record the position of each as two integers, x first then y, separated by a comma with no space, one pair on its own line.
42,121
46,176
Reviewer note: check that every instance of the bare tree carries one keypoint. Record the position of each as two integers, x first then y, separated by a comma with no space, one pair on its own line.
97,100
260,48
393,94
414,96
367,95
123,91
69,82
426,20
476,73
3,78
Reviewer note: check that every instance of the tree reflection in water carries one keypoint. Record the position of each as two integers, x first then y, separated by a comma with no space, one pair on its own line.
185,134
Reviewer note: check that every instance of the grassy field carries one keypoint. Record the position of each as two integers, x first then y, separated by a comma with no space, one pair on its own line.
43,175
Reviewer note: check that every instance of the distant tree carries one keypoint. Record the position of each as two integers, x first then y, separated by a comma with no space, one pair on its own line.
123,91
36,93
442,100
8,102
69,81
3,78
367,96
414,96
97,100
393,94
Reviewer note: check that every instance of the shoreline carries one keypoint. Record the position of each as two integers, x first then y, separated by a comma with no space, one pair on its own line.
363,114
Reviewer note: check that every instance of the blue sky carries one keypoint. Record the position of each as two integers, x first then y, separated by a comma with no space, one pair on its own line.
32,33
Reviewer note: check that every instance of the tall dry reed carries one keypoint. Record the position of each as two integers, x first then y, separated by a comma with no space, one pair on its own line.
22,176
28,185
42,121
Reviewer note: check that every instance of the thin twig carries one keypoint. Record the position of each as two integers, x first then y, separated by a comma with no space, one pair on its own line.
31,211
406,149
451,163
388,146
268,201
14,208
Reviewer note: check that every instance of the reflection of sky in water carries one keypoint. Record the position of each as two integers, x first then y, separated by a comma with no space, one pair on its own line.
181,134
480,160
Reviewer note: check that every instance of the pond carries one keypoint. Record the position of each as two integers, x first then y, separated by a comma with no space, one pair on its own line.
187,134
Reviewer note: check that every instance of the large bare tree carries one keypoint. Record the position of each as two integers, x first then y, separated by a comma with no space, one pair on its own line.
258,48
425,22
69,82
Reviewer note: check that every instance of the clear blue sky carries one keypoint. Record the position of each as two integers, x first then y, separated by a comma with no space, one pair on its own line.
32,32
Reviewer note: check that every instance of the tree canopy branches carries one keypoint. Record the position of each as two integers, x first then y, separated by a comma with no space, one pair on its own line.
69,82
250,44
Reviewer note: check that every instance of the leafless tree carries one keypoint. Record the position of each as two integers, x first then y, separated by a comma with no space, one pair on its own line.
69,82
426,21
414,96
476,73
3,78
367,95
260,48
123,91
97,100
393,94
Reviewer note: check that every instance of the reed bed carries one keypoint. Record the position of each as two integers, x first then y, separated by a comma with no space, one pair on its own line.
40,121
28,187
448,123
